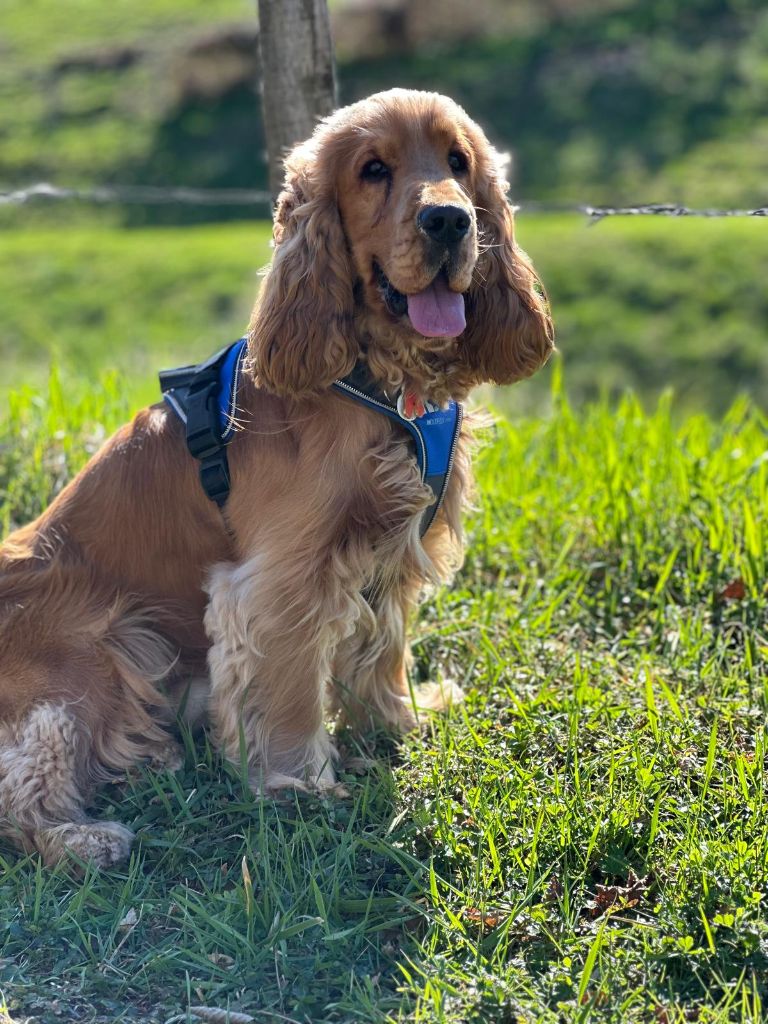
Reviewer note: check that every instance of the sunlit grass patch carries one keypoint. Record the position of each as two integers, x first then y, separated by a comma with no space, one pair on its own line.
584,839
643,303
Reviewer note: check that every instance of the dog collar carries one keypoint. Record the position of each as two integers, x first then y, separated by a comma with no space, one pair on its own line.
204,397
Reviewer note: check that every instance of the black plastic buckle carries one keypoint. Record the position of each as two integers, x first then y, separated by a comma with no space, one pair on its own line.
181,376
198,394
203,431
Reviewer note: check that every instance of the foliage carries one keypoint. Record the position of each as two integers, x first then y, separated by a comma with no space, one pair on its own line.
52,31
598,102
647,304
104,93
584,839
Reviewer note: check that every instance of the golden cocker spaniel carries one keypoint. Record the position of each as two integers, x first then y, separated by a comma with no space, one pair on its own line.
133,595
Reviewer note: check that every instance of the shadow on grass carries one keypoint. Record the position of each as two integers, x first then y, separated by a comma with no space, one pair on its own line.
302,907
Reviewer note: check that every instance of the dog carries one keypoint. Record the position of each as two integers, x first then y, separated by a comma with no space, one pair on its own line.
134,597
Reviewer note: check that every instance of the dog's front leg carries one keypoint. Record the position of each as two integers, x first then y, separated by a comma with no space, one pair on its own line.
371,667
274,622
371,687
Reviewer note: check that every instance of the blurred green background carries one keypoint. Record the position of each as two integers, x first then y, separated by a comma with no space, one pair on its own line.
600,101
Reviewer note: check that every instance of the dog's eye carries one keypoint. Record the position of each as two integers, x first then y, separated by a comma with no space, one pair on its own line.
375,170
457,161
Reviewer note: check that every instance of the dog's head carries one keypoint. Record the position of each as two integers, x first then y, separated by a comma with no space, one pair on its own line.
393,235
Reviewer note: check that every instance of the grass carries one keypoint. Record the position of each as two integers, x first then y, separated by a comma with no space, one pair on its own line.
91,124
36,33
93,300
584,839
641,303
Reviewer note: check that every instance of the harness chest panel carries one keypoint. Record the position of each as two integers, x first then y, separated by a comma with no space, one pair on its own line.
204,397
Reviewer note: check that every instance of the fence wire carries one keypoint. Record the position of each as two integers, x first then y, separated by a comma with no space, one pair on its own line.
596,213
145,195
150,195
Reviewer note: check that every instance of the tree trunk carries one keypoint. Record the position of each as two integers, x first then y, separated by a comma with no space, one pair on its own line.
298,83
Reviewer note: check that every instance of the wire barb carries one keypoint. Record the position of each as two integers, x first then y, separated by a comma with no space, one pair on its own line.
666,210
598,213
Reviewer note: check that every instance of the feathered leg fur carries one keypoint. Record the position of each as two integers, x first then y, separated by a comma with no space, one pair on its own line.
285,620
84,672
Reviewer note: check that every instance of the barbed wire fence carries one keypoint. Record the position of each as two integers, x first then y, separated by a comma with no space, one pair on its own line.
150,195
597,213
144,195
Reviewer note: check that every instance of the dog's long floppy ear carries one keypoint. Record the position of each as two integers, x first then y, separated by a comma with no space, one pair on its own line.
509,332
301,335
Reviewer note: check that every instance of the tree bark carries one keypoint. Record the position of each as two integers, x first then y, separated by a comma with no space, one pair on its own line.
298,81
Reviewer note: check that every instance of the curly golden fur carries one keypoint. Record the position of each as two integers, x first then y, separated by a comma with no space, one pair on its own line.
133,597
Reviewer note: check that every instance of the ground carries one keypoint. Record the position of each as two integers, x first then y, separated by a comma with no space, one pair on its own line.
584,839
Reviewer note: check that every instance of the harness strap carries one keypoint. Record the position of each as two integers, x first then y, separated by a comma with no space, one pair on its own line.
204,397
435,433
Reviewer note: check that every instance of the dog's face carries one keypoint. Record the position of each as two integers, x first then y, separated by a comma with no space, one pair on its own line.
393,237
408,213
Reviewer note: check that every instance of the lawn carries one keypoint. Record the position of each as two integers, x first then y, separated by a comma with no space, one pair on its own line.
647,303
584,839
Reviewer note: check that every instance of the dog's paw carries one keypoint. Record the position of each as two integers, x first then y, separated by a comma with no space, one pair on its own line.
318,779
359,764
168,759
102,844
434,697
308,768
277,785
397,713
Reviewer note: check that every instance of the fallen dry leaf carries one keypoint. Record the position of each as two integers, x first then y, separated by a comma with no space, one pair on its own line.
130,920
486,919
733,591
554,889
221,959
619,897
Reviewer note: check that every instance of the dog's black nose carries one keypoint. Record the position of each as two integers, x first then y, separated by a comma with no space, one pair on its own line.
446,224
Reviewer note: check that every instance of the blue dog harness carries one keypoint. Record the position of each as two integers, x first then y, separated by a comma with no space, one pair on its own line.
204,397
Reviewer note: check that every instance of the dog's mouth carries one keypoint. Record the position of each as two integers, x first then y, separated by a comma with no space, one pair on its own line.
395,301
435,311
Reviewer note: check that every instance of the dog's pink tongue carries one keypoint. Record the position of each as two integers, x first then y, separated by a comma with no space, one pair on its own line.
437,312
